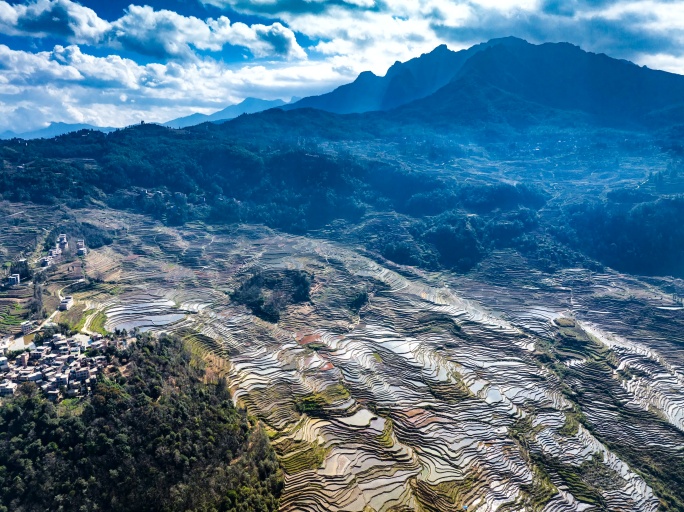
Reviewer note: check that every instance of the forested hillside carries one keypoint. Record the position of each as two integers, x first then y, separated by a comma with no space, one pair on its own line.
438,219
153,436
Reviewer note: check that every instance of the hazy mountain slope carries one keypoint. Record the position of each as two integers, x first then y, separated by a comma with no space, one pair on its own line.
247,106
54,130
510,81
517,82
403,83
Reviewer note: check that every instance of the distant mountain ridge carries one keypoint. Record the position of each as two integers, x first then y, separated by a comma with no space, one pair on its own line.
558,77
505,81
247,106
509,80
403,83
54,130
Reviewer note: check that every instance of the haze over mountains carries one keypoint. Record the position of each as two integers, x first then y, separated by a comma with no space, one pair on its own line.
247,106
511,81
54,130
503,81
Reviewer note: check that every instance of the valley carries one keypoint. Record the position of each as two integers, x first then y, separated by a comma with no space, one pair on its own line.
454,287
502,388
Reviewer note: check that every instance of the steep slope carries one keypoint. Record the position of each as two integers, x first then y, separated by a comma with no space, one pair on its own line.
54,130
520,83
509,81
403,83
247,106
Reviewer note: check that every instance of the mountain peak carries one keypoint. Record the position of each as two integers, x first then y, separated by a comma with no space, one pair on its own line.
507,40
366,75
404,82
515,82
247,106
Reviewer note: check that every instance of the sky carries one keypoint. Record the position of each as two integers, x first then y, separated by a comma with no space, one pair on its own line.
117,62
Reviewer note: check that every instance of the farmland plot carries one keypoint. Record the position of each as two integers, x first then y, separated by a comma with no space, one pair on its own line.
499,389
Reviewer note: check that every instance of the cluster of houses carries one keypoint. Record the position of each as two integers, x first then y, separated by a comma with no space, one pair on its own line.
62,245
59,367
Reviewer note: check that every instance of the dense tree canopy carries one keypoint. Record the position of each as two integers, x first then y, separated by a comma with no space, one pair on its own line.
157,439
216,175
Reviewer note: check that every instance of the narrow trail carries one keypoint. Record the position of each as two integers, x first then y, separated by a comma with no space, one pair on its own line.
61,297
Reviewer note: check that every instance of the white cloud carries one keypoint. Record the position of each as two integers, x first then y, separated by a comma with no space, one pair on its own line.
64,18
348,36
26,68
162,34
165,34
671,63
68,85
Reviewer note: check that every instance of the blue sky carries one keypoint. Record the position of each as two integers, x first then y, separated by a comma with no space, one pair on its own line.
115,62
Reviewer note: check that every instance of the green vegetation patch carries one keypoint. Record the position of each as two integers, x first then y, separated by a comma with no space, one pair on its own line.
82,320
451,495
159,438
433,322
70,407
267,294
573,342
573,419
386,438
73,317
97,324
12,315
359,300
315,404
302,457
564,322
536,495
94,236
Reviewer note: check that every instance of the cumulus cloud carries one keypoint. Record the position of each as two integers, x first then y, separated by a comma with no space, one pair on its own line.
343,38
114,91
53,17
26,68
159,34
164,34
625,28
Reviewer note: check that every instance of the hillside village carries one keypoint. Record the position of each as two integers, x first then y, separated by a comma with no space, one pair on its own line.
62,362
61,367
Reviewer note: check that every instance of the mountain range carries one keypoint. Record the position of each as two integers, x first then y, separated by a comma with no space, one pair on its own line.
53,130
403,83
505,81
247,106
511,81
520,82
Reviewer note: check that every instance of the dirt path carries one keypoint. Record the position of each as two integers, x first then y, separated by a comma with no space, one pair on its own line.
61,297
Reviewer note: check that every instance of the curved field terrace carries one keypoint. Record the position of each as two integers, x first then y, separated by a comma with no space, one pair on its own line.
502,389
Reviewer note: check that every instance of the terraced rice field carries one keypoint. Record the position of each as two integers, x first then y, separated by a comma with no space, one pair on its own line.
505,389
